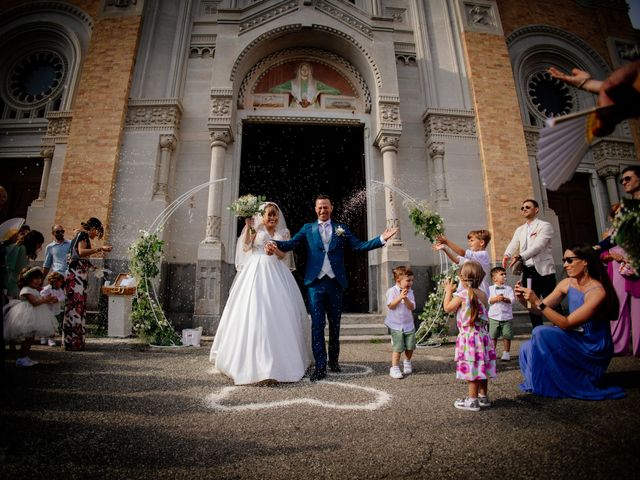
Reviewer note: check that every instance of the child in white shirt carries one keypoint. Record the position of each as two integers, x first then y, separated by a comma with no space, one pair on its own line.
55,289
401,303
477,251
501,298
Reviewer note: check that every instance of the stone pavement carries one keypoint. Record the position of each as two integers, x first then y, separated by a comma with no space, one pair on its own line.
123,411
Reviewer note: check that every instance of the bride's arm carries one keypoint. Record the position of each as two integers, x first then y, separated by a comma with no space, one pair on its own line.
248,235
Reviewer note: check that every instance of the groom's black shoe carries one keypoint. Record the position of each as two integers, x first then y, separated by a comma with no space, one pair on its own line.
335,368
318,375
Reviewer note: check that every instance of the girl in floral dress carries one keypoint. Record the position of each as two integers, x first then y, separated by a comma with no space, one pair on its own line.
475,356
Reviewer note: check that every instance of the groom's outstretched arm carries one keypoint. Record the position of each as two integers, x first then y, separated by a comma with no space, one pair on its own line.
359,245
288,245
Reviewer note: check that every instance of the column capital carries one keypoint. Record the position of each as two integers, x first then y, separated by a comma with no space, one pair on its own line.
46,152
436,149
168,142
609,170
387,141
220,138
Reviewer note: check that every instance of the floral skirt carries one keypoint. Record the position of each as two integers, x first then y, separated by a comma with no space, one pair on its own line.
475,356
73,325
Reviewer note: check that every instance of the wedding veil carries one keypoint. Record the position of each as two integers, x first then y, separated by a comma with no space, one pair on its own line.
282,233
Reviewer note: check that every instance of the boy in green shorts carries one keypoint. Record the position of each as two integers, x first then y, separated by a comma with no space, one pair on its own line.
501,300
401,303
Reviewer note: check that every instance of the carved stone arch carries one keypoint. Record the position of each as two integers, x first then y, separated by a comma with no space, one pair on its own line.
532,50
46,8
294,28
331,60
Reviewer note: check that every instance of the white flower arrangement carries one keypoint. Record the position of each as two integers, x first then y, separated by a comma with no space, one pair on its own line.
339,231
247,206
425,221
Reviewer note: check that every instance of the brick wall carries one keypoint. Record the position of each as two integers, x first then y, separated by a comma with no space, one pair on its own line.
98,120
503,149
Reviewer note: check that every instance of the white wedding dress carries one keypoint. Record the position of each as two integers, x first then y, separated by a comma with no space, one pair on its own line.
264,331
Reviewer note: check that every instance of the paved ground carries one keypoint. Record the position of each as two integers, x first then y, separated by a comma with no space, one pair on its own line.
123,411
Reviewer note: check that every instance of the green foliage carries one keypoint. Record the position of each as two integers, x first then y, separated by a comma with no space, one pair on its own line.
247,206
426,222
434,322
147,317
627,230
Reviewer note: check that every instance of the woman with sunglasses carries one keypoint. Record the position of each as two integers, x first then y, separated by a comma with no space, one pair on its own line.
73,328
570,358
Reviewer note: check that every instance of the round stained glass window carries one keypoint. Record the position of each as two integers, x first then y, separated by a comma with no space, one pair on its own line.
36,77
549,96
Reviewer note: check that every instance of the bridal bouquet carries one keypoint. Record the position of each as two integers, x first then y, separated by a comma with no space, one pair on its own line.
247,206
426,222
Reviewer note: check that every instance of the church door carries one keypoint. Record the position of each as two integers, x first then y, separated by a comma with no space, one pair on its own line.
291,165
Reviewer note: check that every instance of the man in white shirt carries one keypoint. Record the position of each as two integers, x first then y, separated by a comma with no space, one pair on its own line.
55,255
531,245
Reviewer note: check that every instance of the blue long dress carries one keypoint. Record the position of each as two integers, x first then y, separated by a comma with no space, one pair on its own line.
566,363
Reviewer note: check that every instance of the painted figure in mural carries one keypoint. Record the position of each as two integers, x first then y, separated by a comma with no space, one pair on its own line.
264,333
304,89
326,277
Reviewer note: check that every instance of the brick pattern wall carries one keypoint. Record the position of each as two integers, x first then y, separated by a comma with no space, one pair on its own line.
99,112
503,149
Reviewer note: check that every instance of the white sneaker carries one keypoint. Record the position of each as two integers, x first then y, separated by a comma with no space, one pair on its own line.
407,367
506,356
52,343
25,362
467,403
484,401
394,372
43,341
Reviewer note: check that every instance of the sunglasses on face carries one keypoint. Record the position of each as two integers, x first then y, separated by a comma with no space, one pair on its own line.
569,260
625,179
58,231
525,207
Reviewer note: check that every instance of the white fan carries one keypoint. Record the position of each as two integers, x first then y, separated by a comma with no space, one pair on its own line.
562,144
10,227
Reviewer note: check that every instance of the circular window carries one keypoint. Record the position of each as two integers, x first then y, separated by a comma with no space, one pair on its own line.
36,77
549,96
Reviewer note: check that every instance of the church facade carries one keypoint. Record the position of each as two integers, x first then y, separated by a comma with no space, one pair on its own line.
133,111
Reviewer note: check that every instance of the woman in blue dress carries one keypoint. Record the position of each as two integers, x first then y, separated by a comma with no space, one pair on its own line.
570,358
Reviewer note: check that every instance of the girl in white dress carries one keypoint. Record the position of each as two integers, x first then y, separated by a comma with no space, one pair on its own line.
29,316
264,331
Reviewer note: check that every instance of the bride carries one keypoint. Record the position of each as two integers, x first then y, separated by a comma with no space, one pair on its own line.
264,331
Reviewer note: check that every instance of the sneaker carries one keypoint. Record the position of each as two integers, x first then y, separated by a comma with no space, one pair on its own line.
484,401
43,341
394,372
52,343
467,404
407,368
506,356
25,362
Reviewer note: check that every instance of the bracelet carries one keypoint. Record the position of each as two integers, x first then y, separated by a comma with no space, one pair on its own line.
583,82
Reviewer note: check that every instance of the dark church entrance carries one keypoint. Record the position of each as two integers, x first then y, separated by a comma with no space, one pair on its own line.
291,165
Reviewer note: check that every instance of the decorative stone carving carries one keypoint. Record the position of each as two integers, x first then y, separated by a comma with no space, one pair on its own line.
304,120
119,8
276,32
202,46
399,15
220,107
344,17
480,16
623,51
220,137
153,114
167,145
390,114
619,151
608,171
531,136
331,60
268,15
449,123
58,127
168,142
388,142
436,153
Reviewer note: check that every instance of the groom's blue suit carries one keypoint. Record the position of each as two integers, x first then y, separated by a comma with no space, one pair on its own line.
325,294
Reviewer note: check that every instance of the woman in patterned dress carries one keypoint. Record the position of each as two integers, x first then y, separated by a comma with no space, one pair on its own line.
73,326
475,356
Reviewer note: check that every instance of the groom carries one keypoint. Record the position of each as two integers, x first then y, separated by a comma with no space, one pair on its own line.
326,278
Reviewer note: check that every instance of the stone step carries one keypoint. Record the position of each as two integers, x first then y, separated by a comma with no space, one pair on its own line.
361,329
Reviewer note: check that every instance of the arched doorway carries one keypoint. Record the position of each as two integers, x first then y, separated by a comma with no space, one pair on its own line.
291,164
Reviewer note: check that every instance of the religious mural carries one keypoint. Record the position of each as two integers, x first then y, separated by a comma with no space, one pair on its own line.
303,85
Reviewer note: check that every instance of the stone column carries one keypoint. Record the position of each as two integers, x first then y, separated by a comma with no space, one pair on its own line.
167,145
610,173
211,285
47,155
436,153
